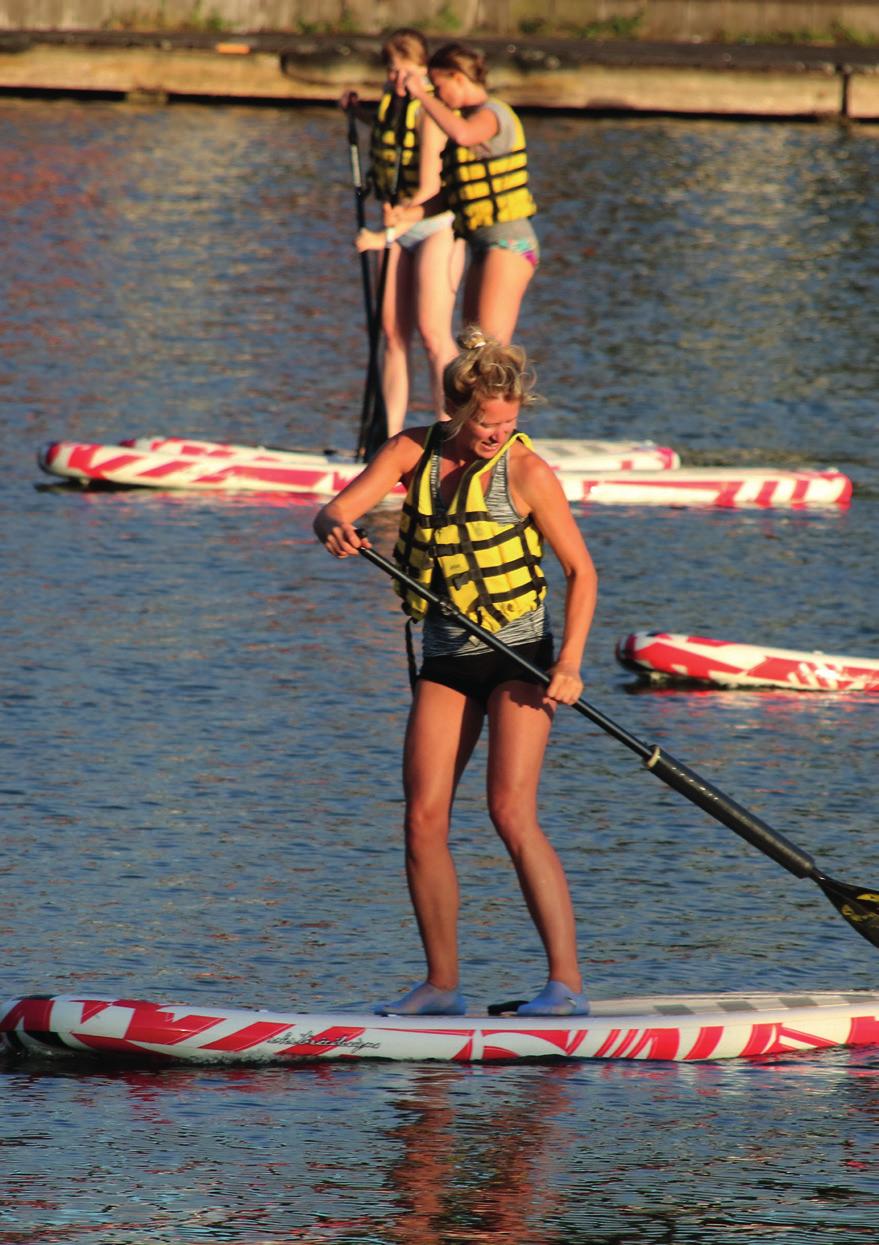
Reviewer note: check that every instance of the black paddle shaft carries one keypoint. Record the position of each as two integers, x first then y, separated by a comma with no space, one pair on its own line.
858,905
672,772
373,419
359,197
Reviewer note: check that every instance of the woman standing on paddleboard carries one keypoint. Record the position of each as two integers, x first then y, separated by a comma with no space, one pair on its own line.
484,182
480,503
425,261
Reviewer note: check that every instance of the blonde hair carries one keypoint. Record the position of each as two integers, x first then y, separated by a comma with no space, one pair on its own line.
458,58
408,44
485,369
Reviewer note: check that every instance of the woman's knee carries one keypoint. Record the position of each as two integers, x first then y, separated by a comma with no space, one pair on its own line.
514,817
396,340
426,827
439,345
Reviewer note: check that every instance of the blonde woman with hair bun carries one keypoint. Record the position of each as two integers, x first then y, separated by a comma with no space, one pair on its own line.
484,367
480,507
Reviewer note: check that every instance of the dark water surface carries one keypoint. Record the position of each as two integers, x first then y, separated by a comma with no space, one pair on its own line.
202,712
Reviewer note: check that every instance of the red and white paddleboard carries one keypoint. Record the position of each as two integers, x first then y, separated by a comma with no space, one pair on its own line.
728,487
323,475
318,475
686,1027
693,657
563,454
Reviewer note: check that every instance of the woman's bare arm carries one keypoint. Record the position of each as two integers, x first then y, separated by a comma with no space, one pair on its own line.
477,127
334,523
536,490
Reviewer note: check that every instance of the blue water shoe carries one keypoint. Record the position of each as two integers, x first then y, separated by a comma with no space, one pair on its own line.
555,999
425,1000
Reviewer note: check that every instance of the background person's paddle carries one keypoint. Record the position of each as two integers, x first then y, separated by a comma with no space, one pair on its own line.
373,417
858,905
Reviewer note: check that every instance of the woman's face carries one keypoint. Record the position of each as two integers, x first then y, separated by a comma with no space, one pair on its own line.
489,427
450,86
398,67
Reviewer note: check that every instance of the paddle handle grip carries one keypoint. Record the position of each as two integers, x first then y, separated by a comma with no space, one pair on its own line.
760,835
354,153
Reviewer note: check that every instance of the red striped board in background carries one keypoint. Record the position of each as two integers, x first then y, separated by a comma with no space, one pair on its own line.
722,663
323,475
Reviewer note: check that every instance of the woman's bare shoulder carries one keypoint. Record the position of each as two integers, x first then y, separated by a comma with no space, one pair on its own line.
526,463
410,441
533,480
406,448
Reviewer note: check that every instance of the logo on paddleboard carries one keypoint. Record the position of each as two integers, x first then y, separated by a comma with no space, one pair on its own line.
324,1041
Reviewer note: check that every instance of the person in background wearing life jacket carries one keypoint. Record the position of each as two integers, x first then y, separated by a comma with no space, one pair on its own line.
485,183
426,261
479,506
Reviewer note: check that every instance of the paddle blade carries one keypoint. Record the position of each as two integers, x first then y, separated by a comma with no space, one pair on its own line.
860,907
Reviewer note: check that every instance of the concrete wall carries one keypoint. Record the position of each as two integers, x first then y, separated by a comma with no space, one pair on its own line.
649,19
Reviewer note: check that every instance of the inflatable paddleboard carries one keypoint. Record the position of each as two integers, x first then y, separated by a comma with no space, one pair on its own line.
688,1028
323,475
563,454
761,488
694,658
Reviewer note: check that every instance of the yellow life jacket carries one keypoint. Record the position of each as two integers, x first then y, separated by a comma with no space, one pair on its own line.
490,571
388,144
488,190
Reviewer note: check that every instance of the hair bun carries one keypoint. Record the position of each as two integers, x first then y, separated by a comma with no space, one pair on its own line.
473,338
484,369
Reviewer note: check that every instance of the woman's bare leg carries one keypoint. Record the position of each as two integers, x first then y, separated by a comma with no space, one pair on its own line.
439,262
442,732
519,724
398,315
493,291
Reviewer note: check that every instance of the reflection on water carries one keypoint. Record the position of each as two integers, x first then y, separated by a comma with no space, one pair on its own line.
199,748
549,1153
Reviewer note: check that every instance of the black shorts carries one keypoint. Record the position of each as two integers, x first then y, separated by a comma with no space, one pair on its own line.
478,674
